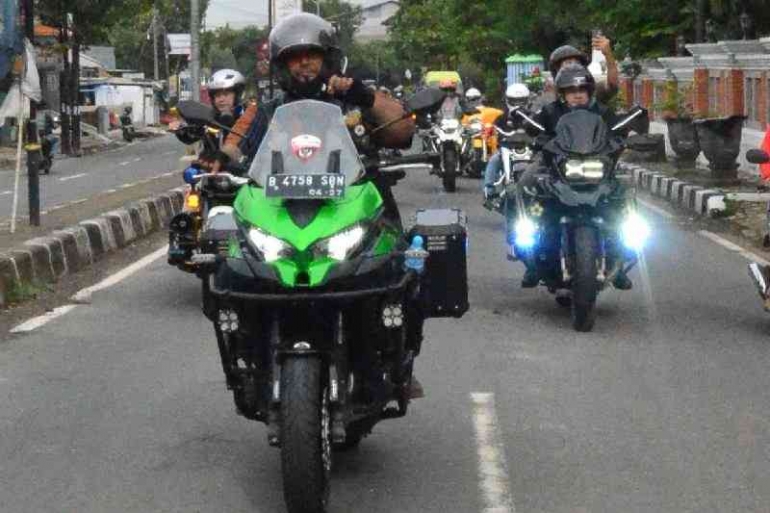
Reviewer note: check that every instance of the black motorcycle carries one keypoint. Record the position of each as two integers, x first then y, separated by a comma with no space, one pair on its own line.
127,125
579,228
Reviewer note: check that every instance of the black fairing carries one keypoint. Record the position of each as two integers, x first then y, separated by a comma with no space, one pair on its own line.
581,133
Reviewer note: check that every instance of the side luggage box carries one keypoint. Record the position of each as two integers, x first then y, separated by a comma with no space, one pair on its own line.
444,286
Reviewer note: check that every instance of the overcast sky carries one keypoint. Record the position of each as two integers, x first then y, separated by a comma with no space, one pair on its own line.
238,13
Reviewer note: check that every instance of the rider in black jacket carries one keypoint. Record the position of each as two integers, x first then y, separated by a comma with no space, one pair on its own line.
575,87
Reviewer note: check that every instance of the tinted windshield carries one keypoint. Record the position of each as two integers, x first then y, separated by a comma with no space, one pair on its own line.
581,133
307,137
451,109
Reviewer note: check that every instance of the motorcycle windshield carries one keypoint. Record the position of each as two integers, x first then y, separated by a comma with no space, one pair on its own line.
580,133
307,137
450,109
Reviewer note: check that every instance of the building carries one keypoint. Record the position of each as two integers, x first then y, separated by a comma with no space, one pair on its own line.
116,93
376,14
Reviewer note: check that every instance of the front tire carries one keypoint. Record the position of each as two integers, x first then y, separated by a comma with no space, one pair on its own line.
449,175
584,284
305,435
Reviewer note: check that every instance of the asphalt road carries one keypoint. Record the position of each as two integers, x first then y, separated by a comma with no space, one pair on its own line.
120,405
76,179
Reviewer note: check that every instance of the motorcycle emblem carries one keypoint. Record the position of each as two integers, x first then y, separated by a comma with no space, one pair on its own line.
305,146
536,210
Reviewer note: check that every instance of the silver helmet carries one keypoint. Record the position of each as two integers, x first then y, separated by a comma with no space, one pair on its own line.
226,79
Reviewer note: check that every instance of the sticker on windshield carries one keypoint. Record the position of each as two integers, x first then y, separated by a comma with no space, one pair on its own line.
305,146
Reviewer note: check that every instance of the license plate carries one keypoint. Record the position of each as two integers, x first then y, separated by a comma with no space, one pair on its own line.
478,143
305,186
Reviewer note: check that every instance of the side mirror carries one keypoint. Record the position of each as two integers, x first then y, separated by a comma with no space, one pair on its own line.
196,113
757,157
425,101
635,118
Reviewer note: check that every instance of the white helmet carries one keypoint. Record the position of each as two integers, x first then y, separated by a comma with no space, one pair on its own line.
227,79
517,95
473,94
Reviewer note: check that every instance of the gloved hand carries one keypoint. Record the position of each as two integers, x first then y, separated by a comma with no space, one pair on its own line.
351,91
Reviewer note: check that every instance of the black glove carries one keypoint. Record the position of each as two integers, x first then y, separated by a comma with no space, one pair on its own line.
359,95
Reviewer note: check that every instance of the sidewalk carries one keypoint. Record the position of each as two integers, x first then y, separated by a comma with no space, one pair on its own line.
741,204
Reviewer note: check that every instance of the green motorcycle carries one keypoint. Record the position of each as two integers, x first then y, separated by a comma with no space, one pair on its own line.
318,296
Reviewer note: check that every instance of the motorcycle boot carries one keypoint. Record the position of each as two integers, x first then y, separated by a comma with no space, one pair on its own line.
622,281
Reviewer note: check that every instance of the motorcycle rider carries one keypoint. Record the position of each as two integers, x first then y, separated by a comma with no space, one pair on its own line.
569,55
307,60
473,98
517,97
576,90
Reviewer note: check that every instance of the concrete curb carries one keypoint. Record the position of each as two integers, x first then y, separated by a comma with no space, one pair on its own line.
46,259
697,199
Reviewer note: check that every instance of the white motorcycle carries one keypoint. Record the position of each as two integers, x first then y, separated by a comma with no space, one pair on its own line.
446,138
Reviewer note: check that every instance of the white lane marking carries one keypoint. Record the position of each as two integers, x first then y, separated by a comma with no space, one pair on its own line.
168,174
4,193
137,159
127,185
168,152
77,202
110,191
493,474
125,163
67,178
748,255
656,209
84,295
42,320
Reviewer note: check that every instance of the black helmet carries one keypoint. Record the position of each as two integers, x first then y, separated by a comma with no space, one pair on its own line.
304,31
575,76
565,52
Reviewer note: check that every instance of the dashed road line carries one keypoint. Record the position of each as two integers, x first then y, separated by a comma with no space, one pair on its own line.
78,202
125,163
4,193
748,255
72,177
137,159
84,295
42,320
127,185
110,191
493,472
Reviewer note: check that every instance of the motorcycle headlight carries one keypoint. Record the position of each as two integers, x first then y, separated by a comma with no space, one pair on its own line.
341,245
271,248
525,231
634,232
450,125
584,170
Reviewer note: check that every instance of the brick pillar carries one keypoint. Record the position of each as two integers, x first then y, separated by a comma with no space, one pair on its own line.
700,91
735,100
762,100
627,88
722,94
648,96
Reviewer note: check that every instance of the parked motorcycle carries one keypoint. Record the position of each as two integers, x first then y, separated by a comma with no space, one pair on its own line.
581,228
127,125
318,295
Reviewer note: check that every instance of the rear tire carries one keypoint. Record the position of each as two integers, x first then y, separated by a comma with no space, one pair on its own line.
449,175
584,285
305,435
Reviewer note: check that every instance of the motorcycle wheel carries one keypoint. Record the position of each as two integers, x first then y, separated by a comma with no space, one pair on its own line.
305,435
584,285
449,175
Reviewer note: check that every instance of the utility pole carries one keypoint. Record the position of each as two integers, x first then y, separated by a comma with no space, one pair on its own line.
33,146
700,11
64,83
195,64
155,40
270,29
75,89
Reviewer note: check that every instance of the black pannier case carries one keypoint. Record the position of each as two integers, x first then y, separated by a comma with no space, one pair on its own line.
444,286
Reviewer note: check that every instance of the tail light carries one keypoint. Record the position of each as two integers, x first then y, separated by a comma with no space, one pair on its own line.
192,202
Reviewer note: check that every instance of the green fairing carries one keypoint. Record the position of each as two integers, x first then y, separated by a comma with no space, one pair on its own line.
360,203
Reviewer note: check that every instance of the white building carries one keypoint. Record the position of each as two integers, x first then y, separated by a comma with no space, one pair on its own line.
376,14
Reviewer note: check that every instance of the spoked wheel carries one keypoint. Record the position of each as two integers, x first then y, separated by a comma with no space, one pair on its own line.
585,287
477,165
449,176
306,449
